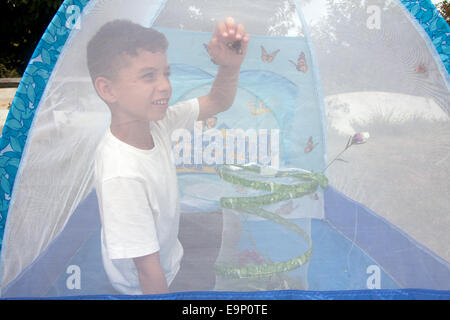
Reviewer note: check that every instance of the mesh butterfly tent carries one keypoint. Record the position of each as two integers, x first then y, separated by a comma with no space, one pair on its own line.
338,175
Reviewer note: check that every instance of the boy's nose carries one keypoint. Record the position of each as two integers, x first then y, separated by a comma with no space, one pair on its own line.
164,85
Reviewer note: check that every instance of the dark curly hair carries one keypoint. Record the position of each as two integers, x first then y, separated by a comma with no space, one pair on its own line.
114,39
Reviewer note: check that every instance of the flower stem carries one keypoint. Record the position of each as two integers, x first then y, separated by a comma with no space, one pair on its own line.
348,146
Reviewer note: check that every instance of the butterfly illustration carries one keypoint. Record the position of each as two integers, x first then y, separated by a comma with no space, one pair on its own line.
268,57
236,46
420,69
285,209
208,51
301,63
257,107
314,196
209,123
310,145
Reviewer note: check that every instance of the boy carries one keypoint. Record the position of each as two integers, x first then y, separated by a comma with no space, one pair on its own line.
134,169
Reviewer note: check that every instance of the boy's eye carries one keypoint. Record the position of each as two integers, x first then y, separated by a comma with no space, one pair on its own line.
167,74
149,75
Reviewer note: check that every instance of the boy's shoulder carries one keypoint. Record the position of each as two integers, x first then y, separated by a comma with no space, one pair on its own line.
114,159
182,114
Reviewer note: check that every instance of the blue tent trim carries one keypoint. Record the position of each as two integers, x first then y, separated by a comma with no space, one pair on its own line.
32,87
407,294
404,294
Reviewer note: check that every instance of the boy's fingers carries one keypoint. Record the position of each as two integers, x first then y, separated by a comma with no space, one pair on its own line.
221,30
229,22
240,32
244,42
213,45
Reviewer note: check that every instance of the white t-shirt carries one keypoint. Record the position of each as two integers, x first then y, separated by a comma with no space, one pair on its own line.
138,200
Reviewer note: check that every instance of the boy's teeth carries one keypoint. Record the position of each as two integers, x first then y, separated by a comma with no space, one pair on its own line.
160,102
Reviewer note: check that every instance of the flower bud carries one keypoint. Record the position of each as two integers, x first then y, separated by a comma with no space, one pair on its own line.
360,137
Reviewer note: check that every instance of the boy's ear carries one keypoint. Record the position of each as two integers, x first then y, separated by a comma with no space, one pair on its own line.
105,90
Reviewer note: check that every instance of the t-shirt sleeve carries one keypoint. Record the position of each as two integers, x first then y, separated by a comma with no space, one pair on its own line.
128,224
182,115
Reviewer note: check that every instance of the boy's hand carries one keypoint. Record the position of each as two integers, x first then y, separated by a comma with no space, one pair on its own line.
228,46
227,49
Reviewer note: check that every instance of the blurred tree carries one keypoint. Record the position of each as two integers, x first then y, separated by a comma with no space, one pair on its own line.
444,8
22,23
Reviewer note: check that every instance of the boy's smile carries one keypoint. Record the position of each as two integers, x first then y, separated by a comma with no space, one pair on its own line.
142,87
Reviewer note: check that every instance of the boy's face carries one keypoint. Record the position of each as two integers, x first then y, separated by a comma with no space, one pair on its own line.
142,88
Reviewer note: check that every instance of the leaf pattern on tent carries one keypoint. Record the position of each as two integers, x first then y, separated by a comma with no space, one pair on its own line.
26,100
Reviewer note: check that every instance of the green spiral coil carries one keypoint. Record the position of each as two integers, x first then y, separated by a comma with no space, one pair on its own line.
308,184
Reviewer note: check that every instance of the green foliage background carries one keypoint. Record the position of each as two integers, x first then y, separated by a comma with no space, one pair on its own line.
22,23
444,8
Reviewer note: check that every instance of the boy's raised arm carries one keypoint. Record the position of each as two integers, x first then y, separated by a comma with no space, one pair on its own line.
227,49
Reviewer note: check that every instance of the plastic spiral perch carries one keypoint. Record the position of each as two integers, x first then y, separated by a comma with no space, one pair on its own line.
308,184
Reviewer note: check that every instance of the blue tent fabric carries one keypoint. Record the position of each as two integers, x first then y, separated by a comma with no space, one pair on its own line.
19,125
328,245
87,215
390,247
